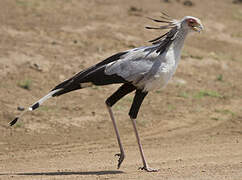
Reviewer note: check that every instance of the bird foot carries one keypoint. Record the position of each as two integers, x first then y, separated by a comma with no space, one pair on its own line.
148,169
121,158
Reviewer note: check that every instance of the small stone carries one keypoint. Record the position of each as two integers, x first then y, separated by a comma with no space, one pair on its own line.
36,66
20,108
53,43
188,3
133,8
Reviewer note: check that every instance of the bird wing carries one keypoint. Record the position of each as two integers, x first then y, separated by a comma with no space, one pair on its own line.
134,65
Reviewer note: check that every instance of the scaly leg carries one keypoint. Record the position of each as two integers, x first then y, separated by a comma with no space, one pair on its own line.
146,167
138,99
121,154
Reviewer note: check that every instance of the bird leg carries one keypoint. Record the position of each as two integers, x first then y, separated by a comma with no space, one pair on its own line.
138,99
145,167
121,92
121,154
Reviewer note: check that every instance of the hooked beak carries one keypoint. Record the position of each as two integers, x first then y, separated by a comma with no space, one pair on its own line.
198,28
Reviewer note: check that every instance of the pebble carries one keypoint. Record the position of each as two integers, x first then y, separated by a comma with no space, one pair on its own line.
188,3
20,108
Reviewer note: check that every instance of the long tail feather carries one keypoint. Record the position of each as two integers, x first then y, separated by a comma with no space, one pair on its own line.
35,105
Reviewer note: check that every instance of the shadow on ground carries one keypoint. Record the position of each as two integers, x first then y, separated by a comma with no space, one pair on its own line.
63,173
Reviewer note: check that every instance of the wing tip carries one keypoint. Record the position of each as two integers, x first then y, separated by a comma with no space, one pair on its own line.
13,121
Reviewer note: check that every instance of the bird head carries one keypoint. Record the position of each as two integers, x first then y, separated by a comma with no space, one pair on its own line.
187,24
191,24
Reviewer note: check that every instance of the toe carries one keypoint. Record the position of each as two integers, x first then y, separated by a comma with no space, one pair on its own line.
148,169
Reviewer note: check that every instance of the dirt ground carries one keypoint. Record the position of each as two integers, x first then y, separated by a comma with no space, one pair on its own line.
192,129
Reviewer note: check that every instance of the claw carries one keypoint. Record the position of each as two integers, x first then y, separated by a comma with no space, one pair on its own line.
118,154
148,169
121,158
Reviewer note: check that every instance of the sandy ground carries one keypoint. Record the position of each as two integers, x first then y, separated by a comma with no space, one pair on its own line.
192,129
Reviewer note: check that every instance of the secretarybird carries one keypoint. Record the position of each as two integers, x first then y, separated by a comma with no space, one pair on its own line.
140,69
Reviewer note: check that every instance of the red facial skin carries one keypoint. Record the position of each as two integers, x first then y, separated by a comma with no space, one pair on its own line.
191,22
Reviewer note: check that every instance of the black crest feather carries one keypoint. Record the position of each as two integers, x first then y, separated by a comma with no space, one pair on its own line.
167,38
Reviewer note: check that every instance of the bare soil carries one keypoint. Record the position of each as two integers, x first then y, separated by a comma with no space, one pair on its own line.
192,129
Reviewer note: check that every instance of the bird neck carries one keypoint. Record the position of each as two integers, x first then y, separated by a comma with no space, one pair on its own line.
178,44
179,40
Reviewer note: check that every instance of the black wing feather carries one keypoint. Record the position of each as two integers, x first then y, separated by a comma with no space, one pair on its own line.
95,74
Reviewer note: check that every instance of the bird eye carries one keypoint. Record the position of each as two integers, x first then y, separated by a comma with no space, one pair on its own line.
191,22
